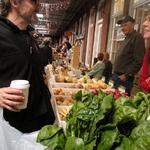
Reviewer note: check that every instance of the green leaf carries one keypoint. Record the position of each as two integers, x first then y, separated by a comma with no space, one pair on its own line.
91,145
47,132
142,129
107,103
52,136
78,96
124,112
142,143
126,144
125,117
74,143
124,101
101,95
108,138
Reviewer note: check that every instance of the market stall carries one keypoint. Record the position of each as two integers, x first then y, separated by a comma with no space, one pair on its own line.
99,119
63,85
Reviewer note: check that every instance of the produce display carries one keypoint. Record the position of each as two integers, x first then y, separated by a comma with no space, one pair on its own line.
62,99
62,91
89,85
93,116
63,111
66,101
67,79
101,121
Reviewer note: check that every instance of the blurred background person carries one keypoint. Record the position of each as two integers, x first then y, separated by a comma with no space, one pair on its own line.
107,73
46,53
66,46
145,71
66,41
98,68
95,61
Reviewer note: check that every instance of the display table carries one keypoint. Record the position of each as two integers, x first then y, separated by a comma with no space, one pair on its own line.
63,92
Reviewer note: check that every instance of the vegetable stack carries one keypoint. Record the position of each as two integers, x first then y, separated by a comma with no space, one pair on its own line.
98,122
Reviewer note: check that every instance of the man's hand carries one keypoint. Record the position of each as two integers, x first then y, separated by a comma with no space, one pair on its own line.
123,77
10,98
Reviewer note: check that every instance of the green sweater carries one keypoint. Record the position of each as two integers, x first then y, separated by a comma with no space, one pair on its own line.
97,70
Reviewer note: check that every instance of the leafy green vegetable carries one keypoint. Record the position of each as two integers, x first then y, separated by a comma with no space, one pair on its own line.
120,102
124,101
108,138
125,116
74,143
139,98
106,104
101,95
126,144
91,145
141,130
72,118
142,102
126,126
124,113
52,136
142,143
78,96
101,123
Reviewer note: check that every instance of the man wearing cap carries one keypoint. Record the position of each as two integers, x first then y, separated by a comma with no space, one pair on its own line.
130,56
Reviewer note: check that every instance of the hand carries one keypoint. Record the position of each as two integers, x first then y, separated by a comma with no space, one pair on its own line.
123,77
10,98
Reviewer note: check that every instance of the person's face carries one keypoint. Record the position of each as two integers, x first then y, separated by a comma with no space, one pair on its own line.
146,27
27,9
127,27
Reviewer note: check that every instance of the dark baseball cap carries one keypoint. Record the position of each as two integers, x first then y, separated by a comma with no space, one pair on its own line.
126,19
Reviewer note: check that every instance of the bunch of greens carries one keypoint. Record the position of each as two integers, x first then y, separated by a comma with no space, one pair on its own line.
102,123
88,111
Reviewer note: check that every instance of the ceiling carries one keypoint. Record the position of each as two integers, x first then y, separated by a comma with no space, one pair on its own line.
56,15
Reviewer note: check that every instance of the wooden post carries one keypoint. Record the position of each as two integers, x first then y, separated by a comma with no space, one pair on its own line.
75,56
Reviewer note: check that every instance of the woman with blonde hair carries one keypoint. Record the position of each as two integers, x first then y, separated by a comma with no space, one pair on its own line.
145,71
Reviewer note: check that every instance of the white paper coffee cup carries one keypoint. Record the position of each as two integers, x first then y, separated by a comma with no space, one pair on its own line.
23,85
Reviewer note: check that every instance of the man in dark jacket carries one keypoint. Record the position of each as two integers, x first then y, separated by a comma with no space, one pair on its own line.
45,54
130,57
107,73
18,60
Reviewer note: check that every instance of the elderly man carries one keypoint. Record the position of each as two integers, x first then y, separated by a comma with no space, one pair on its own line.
130,57
18,59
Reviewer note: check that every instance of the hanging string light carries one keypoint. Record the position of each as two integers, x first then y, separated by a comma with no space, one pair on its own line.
61,5
56,6
47,9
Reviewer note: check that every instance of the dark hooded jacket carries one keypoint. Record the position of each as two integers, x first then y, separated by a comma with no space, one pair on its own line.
19,60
